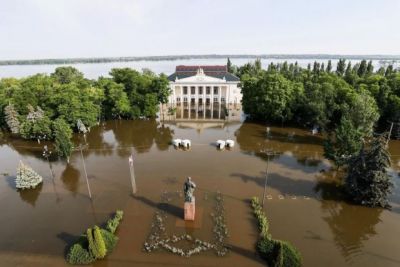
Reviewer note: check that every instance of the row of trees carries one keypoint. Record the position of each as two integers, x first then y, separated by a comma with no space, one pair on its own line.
51,107
348,104
318,95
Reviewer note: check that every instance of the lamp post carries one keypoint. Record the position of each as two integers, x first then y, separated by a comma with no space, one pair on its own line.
46,153
84,168
132,172
269,153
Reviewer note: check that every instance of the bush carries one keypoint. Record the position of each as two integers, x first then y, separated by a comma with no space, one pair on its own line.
277,253
110,240
79,255
265,247
113,223
263,223
96,243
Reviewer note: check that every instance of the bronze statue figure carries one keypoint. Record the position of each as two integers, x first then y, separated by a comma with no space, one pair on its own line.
188,189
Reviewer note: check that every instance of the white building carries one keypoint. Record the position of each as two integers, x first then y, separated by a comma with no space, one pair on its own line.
199,85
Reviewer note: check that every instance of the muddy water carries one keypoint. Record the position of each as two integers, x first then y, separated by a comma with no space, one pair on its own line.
302,200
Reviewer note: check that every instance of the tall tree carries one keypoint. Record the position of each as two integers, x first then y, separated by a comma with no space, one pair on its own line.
341,66
12,118
329,66
62,136
344,143
368,182
66,75
362,69
229,65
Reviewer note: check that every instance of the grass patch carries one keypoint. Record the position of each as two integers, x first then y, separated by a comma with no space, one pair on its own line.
96,243
277,253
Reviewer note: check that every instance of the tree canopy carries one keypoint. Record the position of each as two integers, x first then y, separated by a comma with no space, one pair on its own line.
28,106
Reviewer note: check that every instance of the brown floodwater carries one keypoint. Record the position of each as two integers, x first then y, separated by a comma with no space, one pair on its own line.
302,202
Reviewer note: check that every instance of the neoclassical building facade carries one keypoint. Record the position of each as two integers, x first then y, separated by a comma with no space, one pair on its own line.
204,85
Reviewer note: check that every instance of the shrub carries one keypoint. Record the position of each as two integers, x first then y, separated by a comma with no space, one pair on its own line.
110,240
277,253
263,223
79,255
113,223
265,247
286,255
96,243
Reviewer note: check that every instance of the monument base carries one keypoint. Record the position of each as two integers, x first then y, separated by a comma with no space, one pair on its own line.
190,209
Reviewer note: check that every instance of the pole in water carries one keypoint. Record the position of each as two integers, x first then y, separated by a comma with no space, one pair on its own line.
266,177
84,168
132,172
390,133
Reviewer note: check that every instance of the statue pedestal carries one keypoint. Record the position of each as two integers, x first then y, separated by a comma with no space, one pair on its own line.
190,209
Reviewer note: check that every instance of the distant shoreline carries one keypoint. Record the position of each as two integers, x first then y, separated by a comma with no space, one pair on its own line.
60,61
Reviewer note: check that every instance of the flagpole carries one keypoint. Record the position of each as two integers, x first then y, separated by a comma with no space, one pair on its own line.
132,171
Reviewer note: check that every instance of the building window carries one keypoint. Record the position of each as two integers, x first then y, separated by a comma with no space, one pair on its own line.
215,99
222,99
215,90
192,101
178,99
200,90
185,90
208,90
193,90
185,99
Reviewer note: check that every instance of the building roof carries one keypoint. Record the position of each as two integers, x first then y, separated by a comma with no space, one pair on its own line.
216,71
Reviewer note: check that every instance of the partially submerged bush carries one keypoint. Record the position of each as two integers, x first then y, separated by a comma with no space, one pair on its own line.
95,244
27,177
110,240
277,253
113,223
79,255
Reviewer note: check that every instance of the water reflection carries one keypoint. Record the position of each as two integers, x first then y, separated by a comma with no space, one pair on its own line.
31,195
211,111
70,177
351,226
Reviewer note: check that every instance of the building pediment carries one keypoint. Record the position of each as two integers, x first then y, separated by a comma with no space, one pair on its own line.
201,78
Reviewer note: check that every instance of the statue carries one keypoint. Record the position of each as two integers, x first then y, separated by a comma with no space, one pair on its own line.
188,189
189,206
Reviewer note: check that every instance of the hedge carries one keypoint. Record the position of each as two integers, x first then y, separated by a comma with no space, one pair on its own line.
277,253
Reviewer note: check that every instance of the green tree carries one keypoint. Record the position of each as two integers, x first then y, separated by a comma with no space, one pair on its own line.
269,96
345,142
65,75
368,182
116,102
341,66
363,112
62,137
229,65
329,66
362,69
36,125
11,116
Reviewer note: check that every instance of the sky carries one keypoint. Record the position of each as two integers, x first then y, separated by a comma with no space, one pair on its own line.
34,29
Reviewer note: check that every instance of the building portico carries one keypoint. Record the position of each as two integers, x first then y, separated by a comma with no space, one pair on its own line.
204,85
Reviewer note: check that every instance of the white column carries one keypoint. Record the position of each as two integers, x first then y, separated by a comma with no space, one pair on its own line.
181,95
204,101
212,101
219,110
